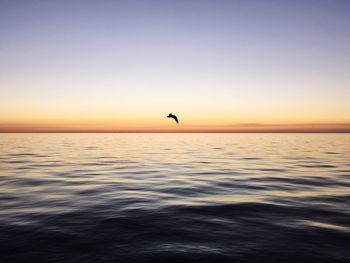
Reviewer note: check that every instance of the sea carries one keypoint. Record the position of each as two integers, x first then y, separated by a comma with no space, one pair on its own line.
165,197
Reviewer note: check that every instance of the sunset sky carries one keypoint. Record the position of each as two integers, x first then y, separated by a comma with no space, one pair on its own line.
218,65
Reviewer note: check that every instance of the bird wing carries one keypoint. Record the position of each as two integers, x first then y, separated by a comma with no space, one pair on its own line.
175,118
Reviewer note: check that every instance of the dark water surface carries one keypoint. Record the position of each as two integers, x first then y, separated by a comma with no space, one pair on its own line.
174,197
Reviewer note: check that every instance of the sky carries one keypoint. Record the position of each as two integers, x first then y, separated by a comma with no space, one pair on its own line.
220,66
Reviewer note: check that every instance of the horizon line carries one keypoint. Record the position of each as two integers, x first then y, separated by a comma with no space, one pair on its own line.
232,128
269,131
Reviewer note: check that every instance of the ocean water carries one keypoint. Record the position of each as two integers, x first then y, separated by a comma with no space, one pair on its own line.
174,198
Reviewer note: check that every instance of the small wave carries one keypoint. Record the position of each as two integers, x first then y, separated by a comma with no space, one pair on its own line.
251,158
317,165
329,226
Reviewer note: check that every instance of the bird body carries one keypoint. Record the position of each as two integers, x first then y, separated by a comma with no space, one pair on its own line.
173,116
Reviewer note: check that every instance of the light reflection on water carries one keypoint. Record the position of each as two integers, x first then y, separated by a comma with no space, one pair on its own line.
188,196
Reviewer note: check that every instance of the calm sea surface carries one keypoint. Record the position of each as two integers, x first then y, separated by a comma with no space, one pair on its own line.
174,198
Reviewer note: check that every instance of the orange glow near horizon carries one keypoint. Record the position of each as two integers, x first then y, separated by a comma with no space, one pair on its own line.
106,117
123,118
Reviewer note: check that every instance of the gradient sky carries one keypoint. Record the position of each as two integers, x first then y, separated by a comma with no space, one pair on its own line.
218,65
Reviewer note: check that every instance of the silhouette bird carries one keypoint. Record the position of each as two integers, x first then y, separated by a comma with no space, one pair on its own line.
173,116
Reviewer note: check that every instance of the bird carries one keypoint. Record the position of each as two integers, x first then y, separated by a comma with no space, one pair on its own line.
173,116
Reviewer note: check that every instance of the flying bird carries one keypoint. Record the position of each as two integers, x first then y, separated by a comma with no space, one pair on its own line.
173,116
